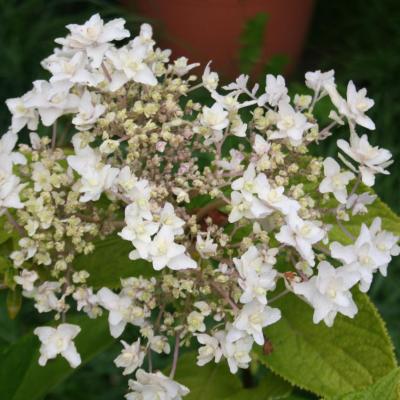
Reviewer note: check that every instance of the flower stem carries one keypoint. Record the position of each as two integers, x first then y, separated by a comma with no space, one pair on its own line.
54,136
176,356
225,296
106,73
15,224
278,296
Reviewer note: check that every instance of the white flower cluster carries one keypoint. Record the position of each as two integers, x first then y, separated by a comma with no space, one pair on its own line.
223,202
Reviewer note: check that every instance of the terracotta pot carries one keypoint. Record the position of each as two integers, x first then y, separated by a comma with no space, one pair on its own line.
204,30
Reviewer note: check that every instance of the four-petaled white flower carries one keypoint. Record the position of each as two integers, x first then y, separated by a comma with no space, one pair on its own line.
301,235
252,318
274,198
129,64
22,114
385,242
237,353
131,357
94,37
291,124
365,256
355,106
275,91
88,112
317,80
95,176
195,321
329,293
171,220
7,155
10,187
52,100
164,252
215,117
372,159
26,279
159,344
118,307
154,386
247,206
137,229
210,349
257,277
206,247
58,341
65,68
335,181
42,177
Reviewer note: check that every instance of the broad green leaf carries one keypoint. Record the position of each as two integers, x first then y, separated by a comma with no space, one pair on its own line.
22,378
270,387
354,353
110,262
213,381
386,388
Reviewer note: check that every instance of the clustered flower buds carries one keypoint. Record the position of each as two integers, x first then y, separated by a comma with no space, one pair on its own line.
224,201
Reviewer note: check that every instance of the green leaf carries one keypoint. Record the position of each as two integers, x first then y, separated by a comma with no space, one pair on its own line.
110,262
354,353
213,381
22,378
252,40
270,387
386,388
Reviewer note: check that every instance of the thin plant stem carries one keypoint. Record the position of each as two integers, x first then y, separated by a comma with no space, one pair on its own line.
106,73
54,136
149,360
345,230
225,296
176,355
15,224
278,296
198,86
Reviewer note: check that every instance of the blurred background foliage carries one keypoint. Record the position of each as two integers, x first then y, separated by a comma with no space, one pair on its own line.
360,39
